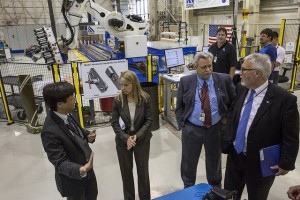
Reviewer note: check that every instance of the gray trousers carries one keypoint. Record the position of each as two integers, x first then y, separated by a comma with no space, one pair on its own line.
141,155
193,138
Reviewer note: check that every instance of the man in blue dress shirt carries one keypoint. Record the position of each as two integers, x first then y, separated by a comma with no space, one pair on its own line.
202,102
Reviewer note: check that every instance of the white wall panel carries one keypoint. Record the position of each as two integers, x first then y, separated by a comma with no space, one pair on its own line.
6,37
13,38
22,37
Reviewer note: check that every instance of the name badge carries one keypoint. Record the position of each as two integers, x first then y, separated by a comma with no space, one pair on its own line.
202,117
215,59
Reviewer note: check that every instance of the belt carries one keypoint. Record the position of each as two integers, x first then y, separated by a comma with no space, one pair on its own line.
203,127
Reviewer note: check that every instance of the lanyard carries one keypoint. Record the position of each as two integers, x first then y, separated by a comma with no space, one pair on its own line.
255,96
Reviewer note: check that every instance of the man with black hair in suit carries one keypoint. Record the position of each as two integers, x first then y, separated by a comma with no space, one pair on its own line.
66,145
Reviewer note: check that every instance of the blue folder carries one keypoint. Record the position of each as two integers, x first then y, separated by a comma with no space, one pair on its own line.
269,156
195,192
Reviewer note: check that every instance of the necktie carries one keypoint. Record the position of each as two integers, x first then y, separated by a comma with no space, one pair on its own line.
241,131
205,103
73,127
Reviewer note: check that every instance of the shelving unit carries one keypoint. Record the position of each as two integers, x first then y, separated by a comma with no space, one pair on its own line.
2,50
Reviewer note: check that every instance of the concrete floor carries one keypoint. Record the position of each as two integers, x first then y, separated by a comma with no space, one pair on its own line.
28,175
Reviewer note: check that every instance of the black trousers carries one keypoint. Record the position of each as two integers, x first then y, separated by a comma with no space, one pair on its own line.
237,176
193,138
141,155
91,189
275,77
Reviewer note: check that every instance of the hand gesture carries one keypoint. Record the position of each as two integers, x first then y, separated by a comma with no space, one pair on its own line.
294,192
131,142
91,136
87,166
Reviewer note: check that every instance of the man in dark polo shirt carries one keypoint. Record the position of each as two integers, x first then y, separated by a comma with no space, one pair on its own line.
225,60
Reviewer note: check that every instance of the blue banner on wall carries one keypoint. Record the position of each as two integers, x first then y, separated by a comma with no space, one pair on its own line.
200,4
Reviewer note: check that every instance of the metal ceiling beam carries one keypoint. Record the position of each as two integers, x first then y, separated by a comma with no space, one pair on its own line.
26,11
11,18
43,13
17,21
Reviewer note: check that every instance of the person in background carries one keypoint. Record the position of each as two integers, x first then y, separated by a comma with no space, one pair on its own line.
131,121
203,99
66,145
262,115
266,37
294,192
280,57
225,59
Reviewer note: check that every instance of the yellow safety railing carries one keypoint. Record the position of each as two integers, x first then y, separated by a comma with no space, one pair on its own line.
243,51
161,89
77,92
7,112
296,61
149,69
56,73
281,33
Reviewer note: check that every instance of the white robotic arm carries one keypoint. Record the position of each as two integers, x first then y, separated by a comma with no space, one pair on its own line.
115,23
56,51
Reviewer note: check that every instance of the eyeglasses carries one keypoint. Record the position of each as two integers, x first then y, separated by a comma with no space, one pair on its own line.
245,70
205,67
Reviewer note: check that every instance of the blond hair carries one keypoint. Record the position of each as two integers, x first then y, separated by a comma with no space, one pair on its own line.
138,94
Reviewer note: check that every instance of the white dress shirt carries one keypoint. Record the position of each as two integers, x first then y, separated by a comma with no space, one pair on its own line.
63,117
280,56
259,95
132,107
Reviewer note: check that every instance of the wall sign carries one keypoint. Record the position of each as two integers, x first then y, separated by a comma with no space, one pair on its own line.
200,4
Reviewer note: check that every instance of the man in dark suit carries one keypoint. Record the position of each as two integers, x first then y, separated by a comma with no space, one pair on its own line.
262,115
202,102
66,145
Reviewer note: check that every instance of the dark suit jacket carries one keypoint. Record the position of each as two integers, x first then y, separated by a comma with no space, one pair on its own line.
276,122
142,121
65,154
224,88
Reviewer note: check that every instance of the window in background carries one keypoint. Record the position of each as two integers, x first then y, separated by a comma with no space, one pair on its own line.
140,8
